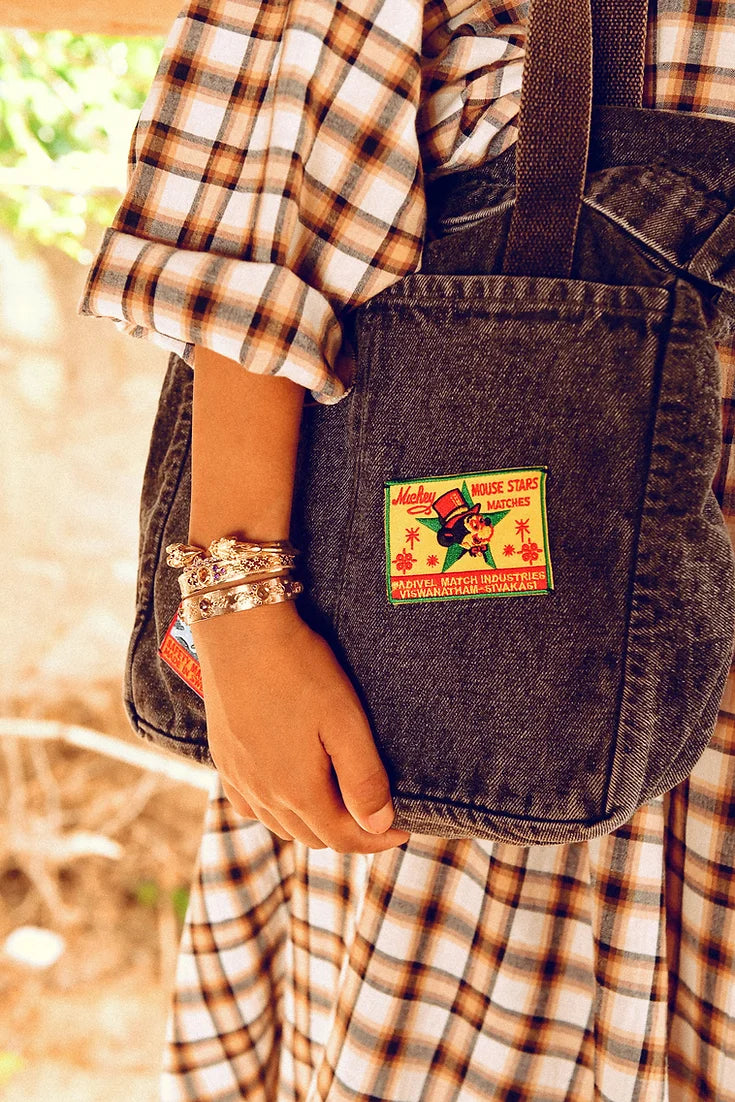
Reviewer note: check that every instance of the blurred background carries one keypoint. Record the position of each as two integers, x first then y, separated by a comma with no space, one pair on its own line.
99,832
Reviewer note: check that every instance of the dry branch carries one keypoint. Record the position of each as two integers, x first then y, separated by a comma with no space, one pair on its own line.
61,849
143,757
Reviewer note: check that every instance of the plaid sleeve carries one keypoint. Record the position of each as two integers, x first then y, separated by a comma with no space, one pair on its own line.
274,180
473,54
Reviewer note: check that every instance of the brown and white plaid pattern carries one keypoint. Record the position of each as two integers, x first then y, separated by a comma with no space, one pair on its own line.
276,179
461,970
276,172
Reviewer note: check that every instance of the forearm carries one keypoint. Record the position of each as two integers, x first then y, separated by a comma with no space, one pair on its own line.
286,729
245,436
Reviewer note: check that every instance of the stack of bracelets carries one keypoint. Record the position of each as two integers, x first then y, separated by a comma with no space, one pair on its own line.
232,575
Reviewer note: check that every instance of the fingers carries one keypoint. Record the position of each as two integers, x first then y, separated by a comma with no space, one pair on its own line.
267,711
286,825
322,822
243,808
362,778
324,812
300,830
240,805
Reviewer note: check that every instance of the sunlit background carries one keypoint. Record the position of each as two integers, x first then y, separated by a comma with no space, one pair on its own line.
98,837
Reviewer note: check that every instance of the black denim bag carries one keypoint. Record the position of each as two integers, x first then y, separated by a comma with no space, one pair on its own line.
569,342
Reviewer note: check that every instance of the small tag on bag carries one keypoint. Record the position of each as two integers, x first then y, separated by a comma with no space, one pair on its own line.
177,651
475,534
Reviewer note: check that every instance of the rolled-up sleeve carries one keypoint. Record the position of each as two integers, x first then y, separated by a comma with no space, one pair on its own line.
274,182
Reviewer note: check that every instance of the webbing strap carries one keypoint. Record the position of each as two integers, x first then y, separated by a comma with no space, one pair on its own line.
554,125
619,34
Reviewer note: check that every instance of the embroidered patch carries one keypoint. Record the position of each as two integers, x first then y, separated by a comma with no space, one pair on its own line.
177,651
479,534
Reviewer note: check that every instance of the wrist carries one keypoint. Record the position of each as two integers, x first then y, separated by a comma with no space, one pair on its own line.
203,531
252,629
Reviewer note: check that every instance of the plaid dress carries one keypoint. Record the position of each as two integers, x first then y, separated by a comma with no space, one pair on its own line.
440,970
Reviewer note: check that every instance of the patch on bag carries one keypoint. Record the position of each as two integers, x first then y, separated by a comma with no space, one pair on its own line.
479,534
178,651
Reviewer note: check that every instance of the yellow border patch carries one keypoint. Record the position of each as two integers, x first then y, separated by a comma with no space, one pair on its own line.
476,534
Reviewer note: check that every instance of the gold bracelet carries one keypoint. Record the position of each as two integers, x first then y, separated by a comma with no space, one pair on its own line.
238,598
226,548
184,554
210,573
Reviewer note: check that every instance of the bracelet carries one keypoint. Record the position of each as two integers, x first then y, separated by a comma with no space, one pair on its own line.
210,573
226,548
238,598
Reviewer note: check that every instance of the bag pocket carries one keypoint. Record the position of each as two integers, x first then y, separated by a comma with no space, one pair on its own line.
500,717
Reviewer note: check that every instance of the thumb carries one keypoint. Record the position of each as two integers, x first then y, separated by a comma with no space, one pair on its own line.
362,778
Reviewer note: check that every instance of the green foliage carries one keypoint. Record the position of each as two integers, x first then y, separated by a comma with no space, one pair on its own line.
180,901
148,893
68,105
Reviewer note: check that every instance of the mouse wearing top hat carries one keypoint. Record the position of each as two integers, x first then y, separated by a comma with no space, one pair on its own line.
461,523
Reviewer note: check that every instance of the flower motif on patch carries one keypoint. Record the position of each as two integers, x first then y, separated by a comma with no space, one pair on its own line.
404,560
530,552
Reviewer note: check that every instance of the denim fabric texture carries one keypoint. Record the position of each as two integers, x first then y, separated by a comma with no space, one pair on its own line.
549,718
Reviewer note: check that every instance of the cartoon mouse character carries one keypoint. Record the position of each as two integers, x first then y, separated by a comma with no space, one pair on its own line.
478,536
461,523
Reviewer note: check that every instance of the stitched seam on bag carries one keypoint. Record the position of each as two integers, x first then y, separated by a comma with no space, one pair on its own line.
396,297
553,313
486,809
658,250
146,605
361,391
615,771
152,729
198,750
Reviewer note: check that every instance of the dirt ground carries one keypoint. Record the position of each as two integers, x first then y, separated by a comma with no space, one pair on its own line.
91,1026
78,402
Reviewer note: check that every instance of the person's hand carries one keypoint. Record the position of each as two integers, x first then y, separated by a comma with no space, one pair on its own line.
288,735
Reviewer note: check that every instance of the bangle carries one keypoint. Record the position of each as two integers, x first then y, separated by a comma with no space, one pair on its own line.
238,598
184,554
211,573
226,548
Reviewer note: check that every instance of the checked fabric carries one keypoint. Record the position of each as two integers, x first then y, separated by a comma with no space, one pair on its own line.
277,177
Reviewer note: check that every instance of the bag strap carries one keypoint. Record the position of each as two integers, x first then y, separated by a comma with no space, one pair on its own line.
619,32
555,116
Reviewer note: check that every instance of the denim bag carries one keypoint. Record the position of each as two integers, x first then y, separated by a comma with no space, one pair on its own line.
508,527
